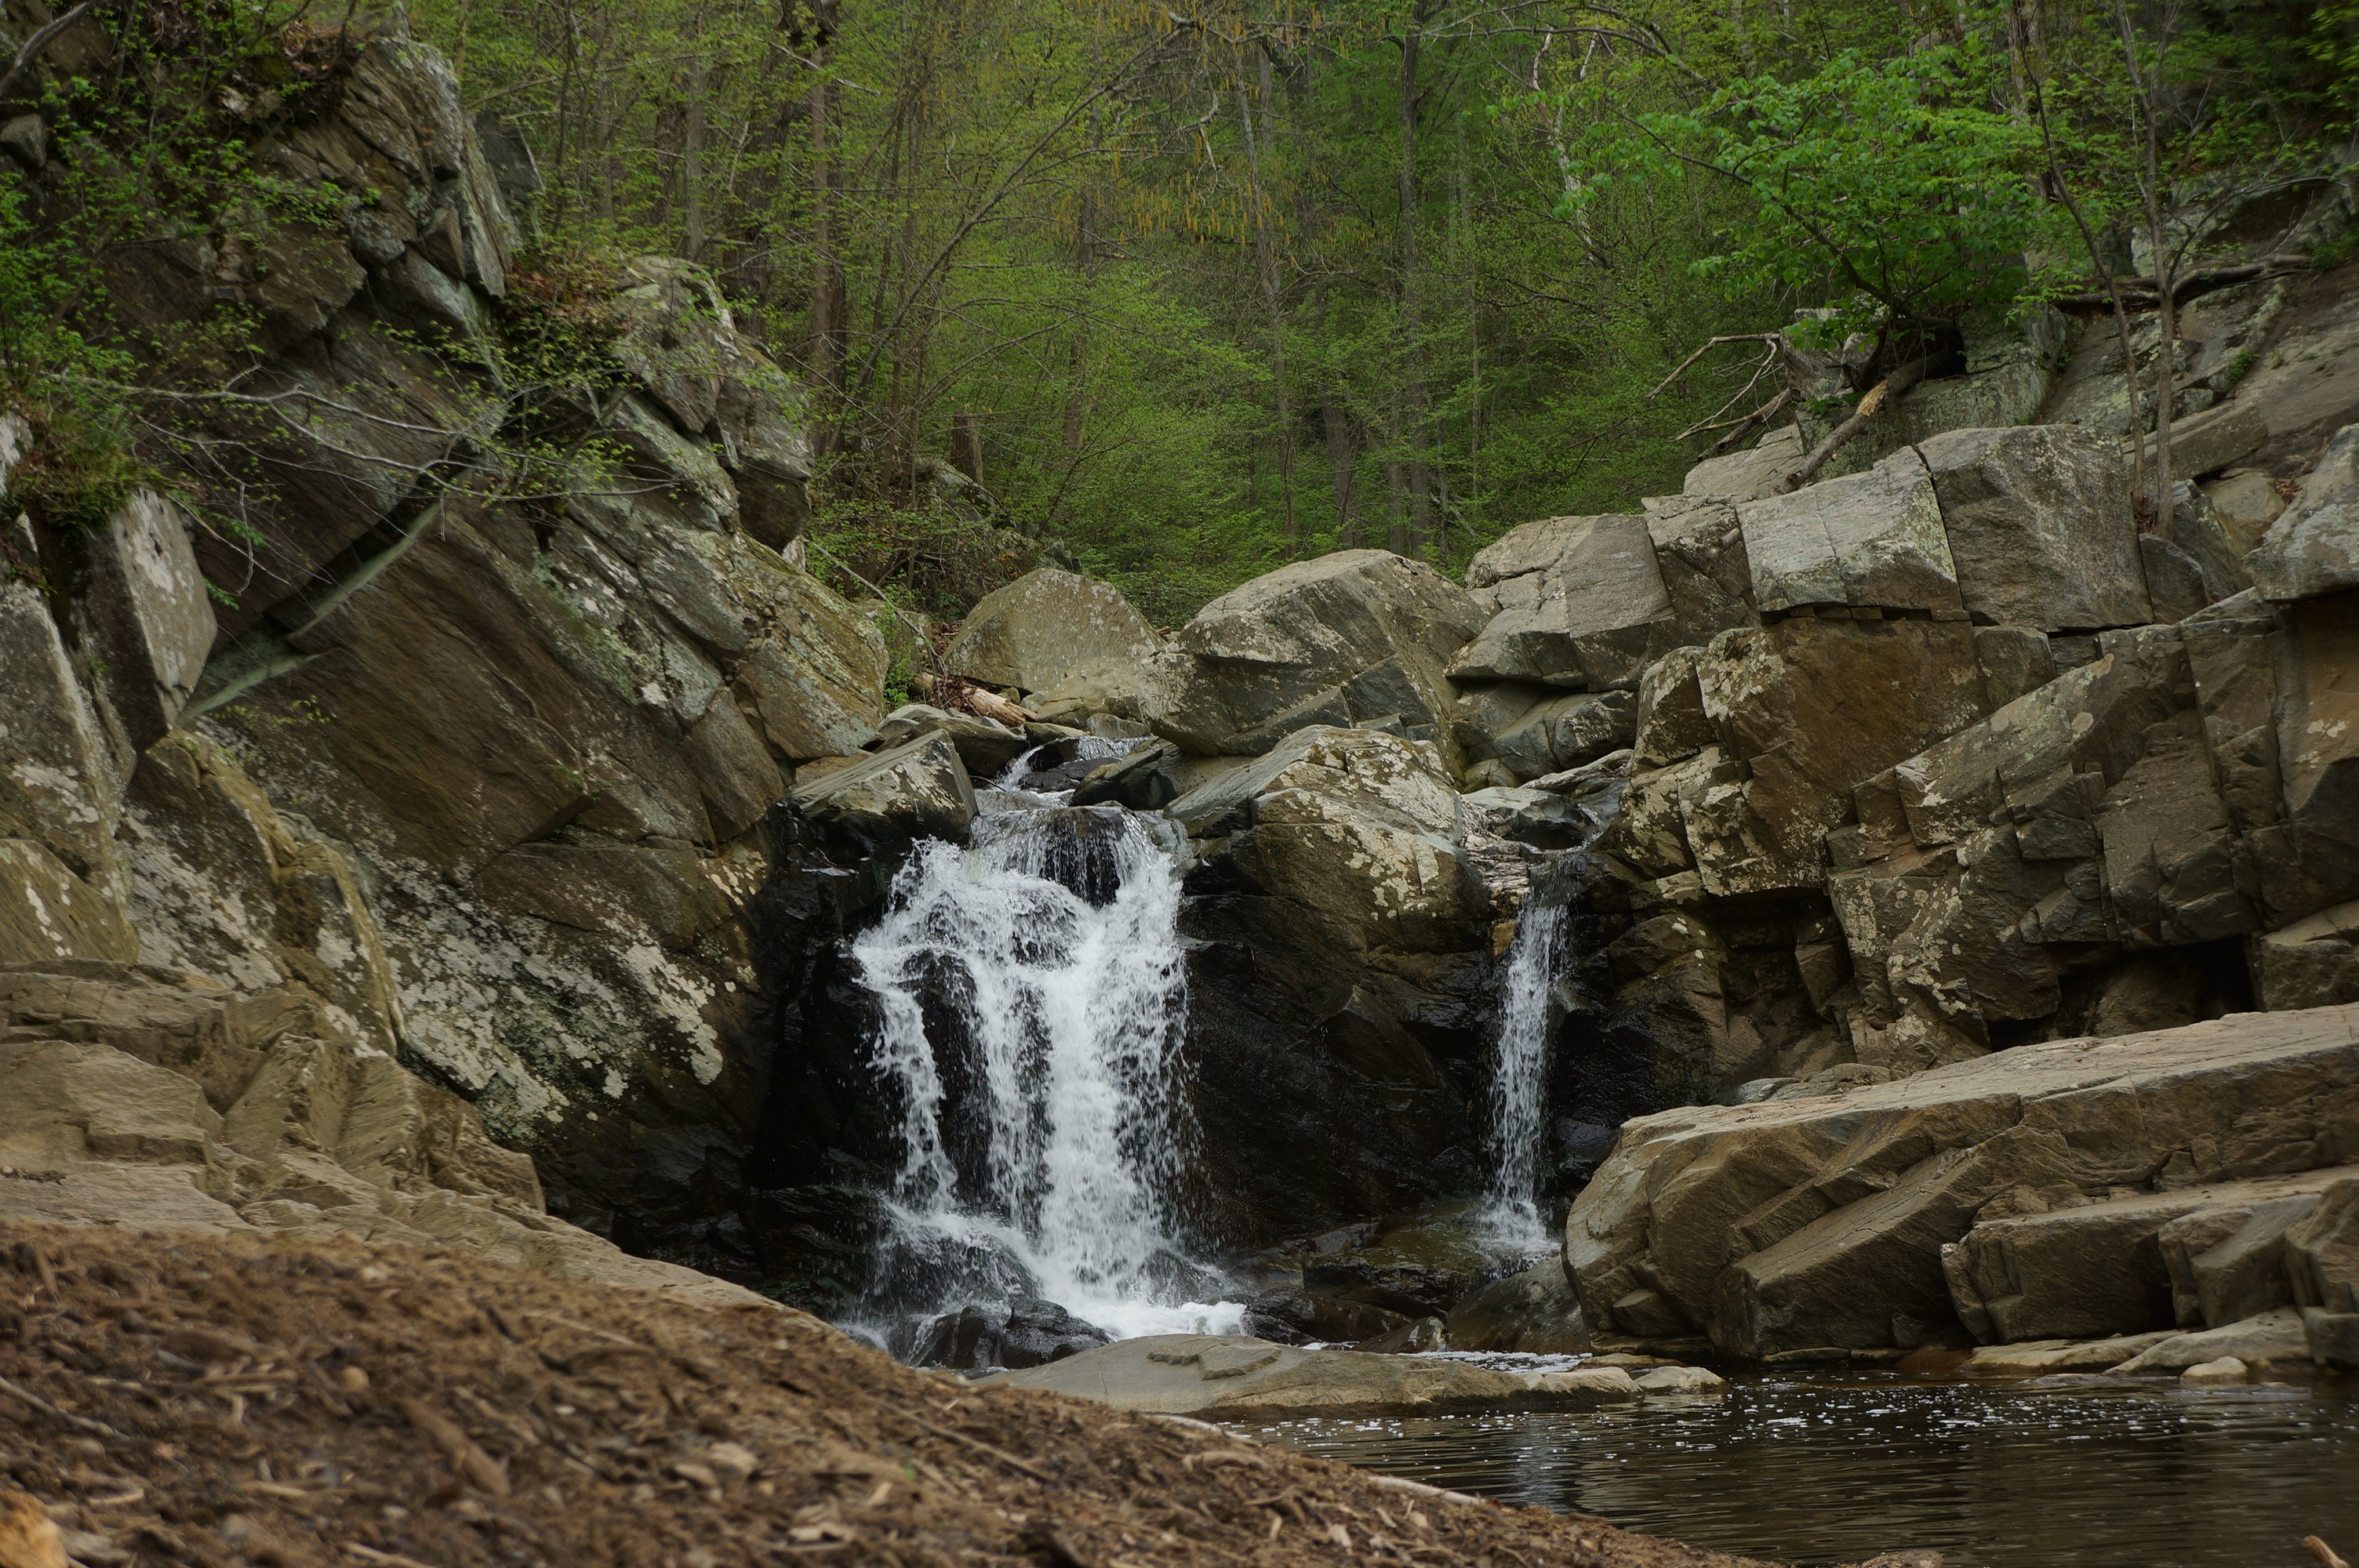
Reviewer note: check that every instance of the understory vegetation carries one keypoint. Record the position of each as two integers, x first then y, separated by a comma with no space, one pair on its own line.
1177,292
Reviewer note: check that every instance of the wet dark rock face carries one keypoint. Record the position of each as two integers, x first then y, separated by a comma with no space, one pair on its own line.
1025,1332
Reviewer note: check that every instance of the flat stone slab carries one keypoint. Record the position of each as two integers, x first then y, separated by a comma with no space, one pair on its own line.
1871,539
2273,1336
1231,1376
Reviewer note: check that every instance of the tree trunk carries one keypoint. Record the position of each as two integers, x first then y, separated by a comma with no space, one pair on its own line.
1265,266
2166,360
1409,406
829,327
691,176
1341,462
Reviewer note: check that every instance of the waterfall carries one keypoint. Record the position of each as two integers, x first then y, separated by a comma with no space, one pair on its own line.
1519,1071
1030,1003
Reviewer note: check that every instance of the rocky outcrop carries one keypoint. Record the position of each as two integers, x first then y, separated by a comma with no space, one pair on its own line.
1356,637
486,779
1049,629
139,1097
2024,1194
1337,1009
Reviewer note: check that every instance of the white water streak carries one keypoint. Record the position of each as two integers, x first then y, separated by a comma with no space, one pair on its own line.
1069,1019
1519,1075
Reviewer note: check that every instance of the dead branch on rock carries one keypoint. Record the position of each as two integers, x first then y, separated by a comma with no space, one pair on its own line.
2141,294
1663,385
1883,391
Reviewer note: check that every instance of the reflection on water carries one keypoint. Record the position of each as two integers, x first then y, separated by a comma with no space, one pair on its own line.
1834,1467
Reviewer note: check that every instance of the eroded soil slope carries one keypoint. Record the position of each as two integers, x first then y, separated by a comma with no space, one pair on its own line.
222,1401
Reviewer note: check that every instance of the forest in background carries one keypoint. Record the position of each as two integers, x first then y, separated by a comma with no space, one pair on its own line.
1188,289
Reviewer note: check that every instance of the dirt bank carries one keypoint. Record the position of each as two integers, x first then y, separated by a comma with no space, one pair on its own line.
215,1402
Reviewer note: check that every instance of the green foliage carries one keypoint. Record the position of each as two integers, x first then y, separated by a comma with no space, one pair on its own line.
1885,188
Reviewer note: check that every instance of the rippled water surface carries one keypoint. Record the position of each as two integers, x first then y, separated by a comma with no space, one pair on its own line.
1828,1470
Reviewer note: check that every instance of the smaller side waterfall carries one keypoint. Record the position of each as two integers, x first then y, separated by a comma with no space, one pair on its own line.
1519,1071
1031,1001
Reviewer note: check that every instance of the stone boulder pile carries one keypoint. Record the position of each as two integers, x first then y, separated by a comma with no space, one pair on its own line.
2200,1178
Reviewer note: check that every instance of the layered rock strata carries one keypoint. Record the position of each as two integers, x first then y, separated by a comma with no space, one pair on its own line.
2070,1189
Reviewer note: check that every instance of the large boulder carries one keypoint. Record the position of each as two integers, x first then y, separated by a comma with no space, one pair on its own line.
1817,1222
1339,948
2313,548
2039,525
1869,540
1357,636
1575,601
1045,629
1357,826
2321,1256
1531,730
2091,1269
143,600
1750,471
919,787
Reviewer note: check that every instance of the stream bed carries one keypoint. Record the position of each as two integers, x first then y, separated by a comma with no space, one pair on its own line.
1827,1469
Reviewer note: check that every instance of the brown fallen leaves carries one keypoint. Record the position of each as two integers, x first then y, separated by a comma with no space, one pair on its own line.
174,1399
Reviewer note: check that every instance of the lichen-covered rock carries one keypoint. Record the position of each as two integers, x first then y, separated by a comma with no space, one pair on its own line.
1046,628
147,604
919,787
1810,709
1870,540
1339,943
1356,636
2039,525
1574,602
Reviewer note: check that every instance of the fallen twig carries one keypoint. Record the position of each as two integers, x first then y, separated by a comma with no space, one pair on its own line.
985,1449
26,1396
480,1470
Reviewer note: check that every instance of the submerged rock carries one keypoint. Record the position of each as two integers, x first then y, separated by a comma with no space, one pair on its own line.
1535,1311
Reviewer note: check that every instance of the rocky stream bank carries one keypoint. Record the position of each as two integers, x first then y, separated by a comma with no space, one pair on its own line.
1960,881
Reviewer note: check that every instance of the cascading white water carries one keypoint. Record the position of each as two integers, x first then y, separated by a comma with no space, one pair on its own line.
1056,1016
1519,1075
